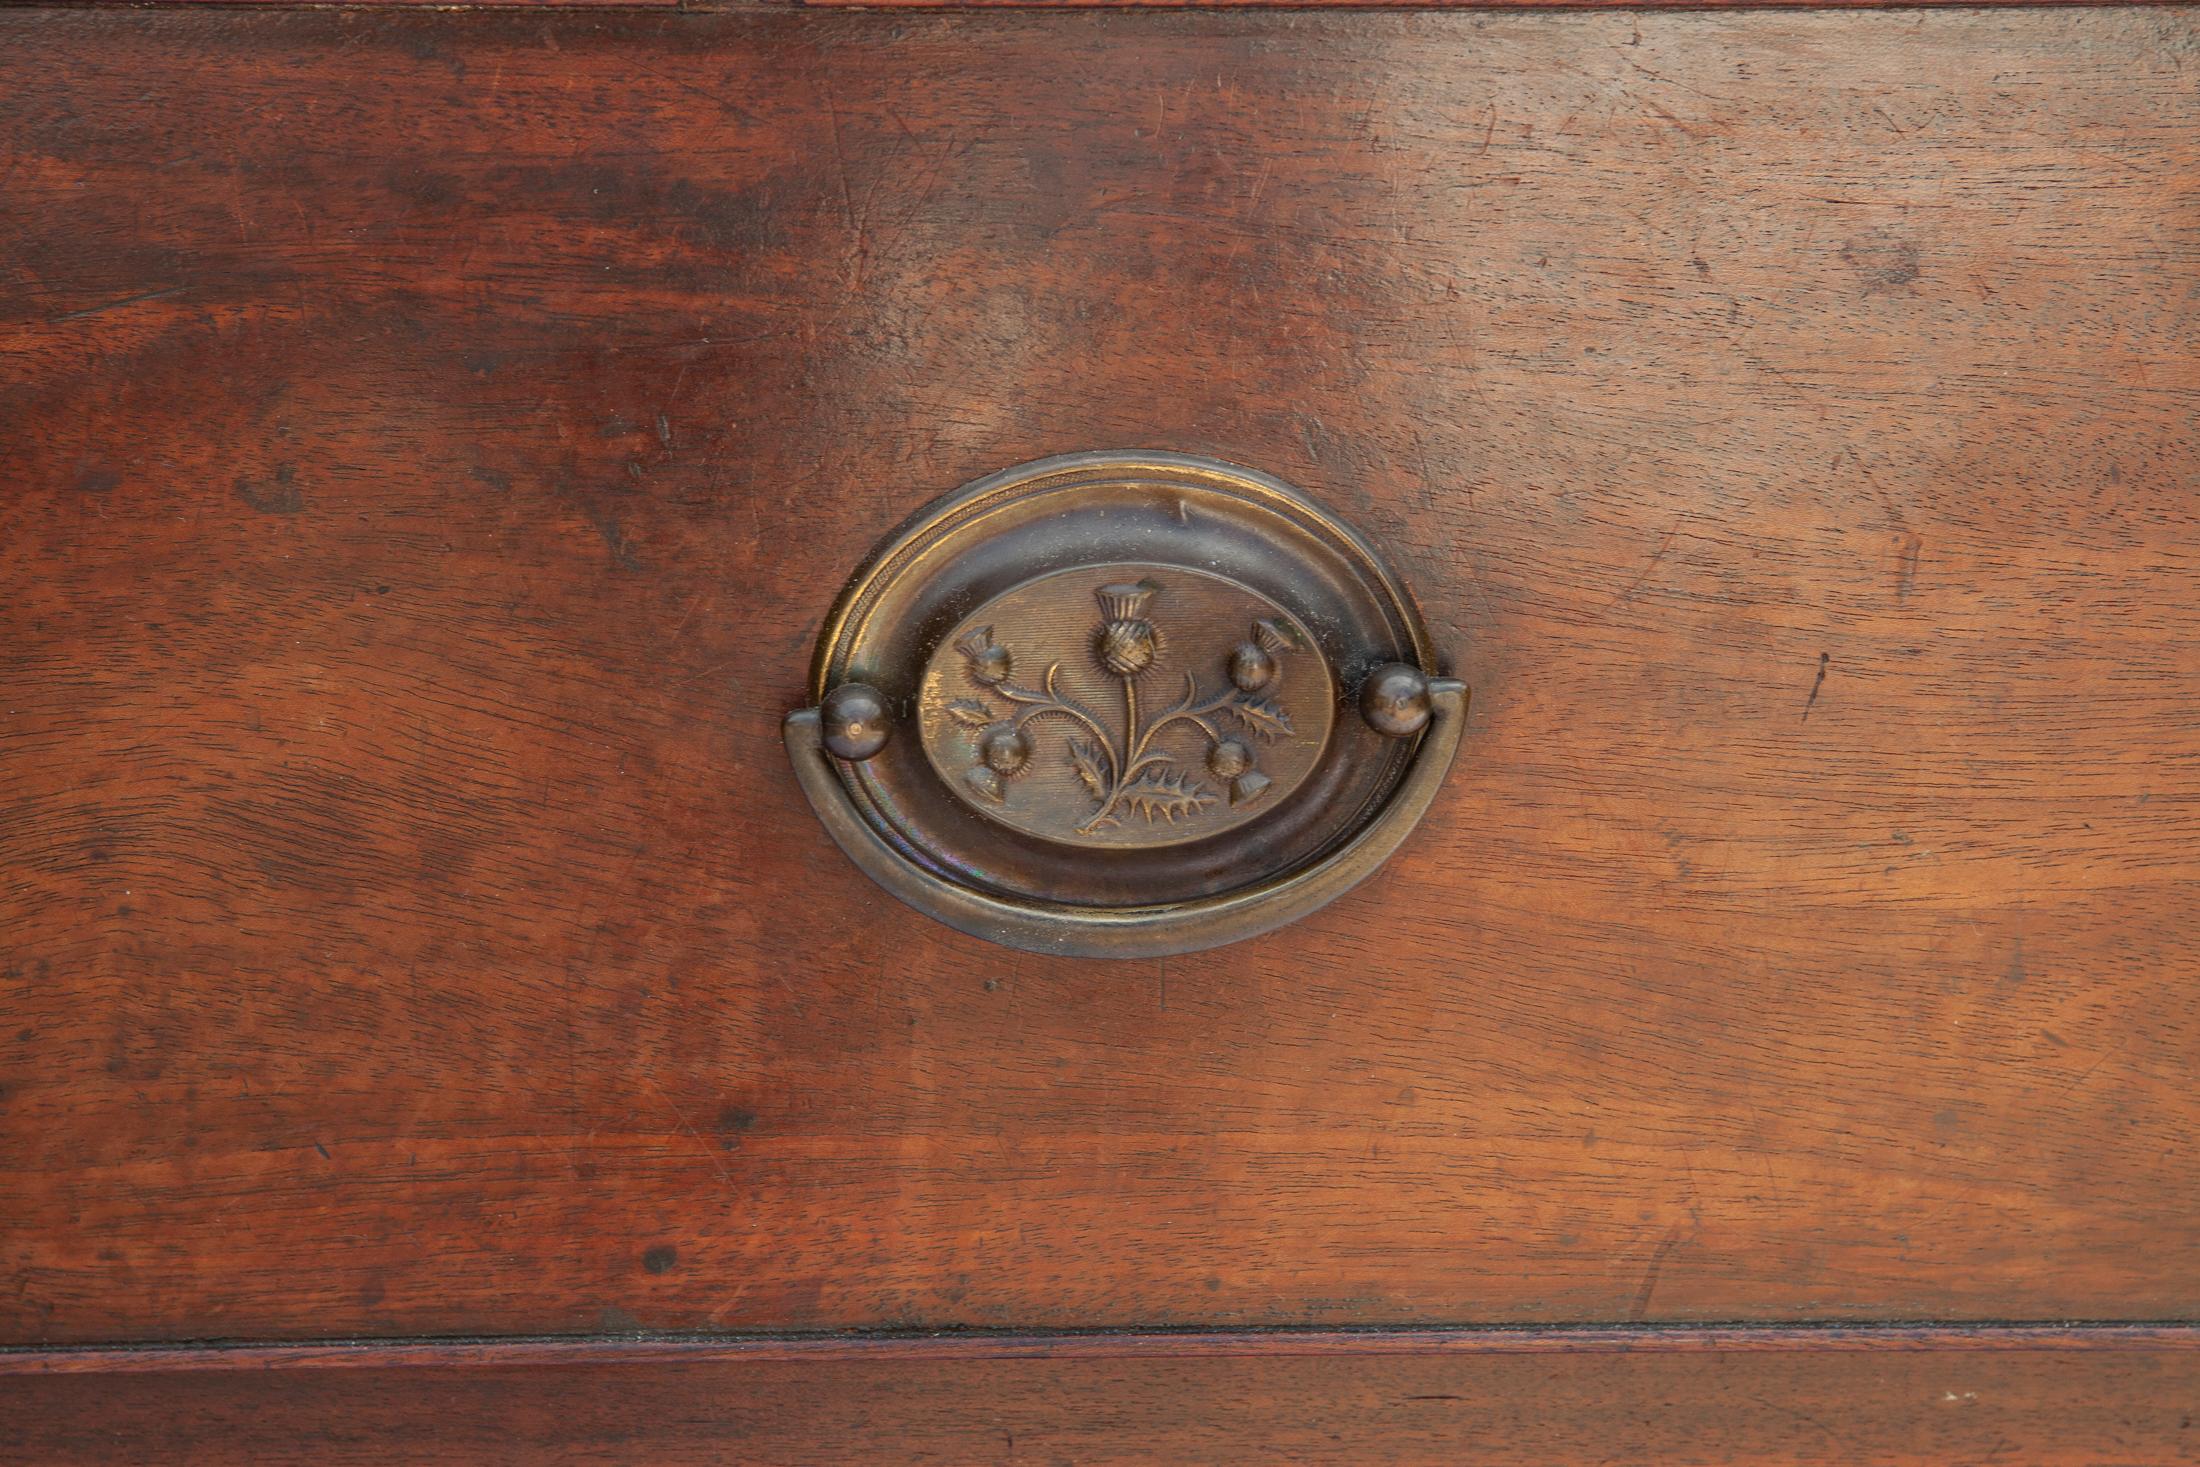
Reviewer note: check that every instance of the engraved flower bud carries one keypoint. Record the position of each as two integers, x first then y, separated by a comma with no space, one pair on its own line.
1127,641
1248,787
1229,759
1005,749
989,663
1126,648
1251,668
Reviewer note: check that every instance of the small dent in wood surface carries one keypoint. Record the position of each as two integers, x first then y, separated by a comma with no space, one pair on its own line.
660,1258
282,496
733,1122
615,540
96,478
421,46
1884,262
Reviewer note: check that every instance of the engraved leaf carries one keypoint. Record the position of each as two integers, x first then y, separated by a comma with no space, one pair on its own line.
1086,758
1167,795
970,713
1264,716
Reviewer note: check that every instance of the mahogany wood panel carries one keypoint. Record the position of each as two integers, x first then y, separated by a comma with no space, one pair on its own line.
432,442
1334,4
2053,1398
726,5
447,5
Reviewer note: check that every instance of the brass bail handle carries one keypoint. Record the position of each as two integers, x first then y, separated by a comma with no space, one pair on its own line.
1138,745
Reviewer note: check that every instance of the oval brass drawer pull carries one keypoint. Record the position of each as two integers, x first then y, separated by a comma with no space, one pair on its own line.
1123,705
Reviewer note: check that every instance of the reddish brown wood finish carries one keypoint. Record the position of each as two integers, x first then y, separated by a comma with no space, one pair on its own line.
2060,1397
449,6
1470,5
432,444
1437,5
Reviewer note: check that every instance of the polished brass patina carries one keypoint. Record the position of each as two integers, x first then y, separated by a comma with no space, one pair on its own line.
1123,704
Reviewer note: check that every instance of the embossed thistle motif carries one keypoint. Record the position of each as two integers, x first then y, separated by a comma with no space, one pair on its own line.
1119,765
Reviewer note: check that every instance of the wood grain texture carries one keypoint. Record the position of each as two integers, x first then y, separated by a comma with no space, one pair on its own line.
2123,1397
700,6
431,445
448,6
1438,5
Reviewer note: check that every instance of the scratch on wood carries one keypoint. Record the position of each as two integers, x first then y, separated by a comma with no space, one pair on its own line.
1644,574
710,1153
1650,1274
128,300
1824,658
